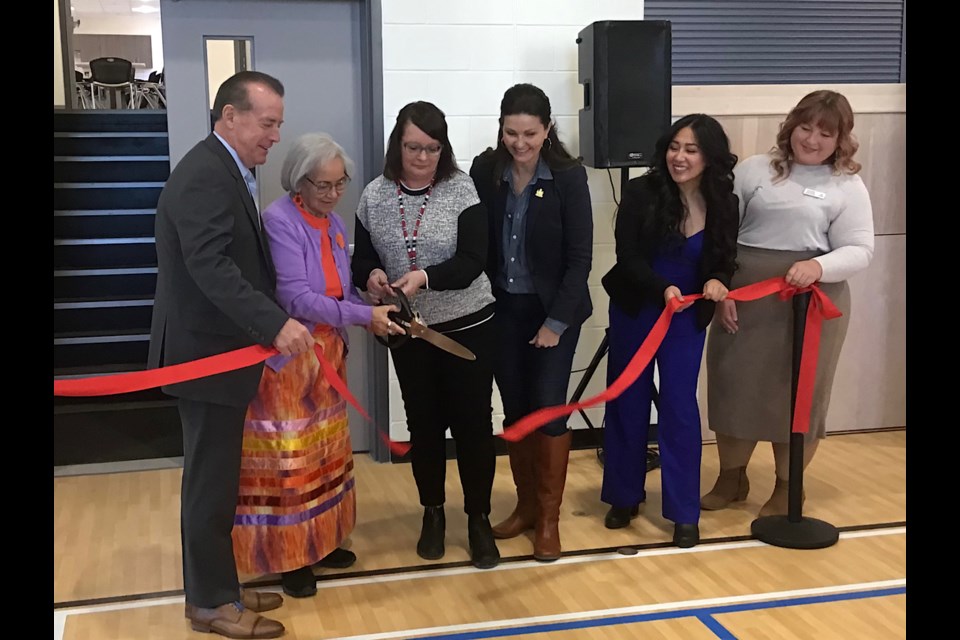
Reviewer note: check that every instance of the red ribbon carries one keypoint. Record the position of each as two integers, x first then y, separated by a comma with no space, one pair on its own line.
399,448
172,374
186,371
820,308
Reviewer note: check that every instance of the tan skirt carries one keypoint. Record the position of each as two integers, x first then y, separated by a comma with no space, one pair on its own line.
749,373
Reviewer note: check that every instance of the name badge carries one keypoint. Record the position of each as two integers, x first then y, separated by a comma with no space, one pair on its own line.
820,195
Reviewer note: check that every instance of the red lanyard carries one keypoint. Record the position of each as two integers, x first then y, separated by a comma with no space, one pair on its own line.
411,243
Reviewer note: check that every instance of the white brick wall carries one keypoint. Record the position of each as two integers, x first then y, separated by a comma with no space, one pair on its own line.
462,55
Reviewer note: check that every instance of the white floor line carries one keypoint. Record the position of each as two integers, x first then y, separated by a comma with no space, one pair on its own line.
647,553
867,533
60,615
649,608
59,622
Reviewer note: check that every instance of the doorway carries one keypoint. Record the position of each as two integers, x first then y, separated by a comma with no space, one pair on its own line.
321,52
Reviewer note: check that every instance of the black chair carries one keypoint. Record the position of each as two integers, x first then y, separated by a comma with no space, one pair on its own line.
84,92
152,91
112,80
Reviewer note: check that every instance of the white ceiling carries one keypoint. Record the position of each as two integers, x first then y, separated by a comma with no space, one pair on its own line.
112,7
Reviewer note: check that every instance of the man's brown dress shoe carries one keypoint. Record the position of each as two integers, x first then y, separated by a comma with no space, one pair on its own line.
257,601
233,621
260,601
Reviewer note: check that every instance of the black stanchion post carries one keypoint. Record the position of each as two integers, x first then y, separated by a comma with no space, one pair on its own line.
794,531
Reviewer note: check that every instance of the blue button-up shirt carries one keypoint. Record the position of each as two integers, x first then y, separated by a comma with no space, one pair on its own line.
247,174
515,275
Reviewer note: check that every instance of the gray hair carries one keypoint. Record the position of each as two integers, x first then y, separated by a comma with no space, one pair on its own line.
308,152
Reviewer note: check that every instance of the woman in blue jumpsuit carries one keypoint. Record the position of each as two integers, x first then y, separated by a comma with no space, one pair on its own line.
676,234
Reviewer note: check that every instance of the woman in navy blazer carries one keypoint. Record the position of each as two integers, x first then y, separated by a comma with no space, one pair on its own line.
540,249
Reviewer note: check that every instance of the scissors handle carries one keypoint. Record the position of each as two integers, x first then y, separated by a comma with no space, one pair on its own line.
402,318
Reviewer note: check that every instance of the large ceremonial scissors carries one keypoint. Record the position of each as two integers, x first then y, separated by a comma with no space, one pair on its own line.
415,327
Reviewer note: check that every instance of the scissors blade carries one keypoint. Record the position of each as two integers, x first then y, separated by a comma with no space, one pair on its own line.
437,339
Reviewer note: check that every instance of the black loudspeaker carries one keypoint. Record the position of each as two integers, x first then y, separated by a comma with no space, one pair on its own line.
624,67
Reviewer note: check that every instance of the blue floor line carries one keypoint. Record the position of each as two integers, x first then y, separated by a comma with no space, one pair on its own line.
718,629
702,613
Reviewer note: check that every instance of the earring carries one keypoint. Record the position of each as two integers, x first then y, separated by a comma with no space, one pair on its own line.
298,200
548,143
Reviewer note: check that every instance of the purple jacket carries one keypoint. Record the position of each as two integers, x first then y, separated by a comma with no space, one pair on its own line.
301,287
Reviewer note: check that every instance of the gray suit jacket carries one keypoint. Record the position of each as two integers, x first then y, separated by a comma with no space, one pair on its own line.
215,278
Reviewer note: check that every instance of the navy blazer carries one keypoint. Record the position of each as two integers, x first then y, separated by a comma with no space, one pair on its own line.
215,276
558,237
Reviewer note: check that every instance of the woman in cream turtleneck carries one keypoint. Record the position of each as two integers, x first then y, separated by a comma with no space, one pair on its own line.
805,215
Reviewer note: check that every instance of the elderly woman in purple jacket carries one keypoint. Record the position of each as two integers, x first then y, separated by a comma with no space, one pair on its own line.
297,501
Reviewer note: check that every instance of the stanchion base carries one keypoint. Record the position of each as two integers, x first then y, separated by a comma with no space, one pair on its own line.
808,533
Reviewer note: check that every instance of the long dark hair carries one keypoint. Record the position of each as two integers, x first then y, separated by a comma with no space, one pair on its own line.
429,119
716,185
532,101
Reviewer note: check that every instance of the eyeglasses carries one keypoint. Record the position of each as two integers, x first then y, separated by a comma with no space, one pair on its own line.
323,188
415,149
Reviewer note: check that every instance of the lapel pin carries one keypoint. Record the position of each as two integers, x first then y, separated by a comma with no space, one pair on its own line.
539,193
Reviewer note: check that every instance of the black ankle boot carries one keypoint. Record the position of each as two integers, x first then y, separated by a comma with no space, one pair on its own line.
483,549
337,559
430,545
619,517
299,583
686,535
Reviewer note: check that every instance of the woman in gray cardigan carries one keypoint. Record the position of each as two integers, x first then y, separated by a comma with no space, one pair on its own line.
421,227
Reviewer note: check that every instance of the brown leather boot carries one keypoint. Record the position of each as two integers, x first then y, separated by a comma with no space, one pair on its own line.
553,453
732,486
233,622
779,502
523,459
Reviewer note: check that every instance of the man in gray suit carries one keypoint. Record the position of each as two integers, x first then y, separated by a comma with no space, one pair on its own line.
215,293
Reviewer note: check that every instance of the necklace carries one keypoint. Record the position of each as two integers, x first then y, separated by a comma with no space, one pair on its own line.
408,241
409,188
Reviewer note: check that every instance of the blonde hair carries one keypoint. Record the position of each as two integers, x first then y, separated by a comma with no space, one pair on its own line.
829,110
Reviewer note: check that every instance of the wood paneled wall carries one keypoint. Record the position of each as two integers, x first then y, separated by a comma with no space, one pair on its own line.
135,48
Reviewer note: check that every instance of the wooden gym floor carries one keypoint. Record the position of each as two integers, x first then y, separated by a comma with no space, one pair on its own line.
117,570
